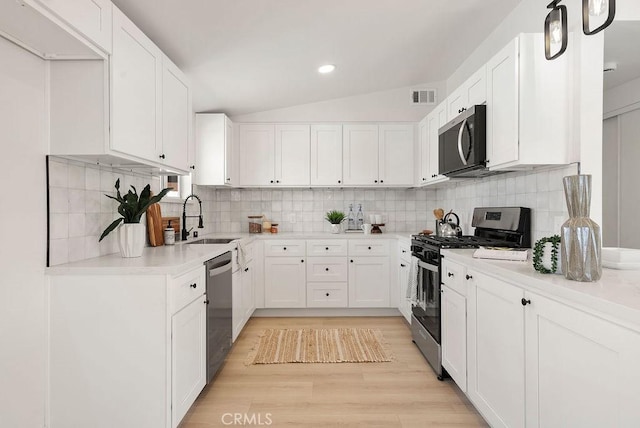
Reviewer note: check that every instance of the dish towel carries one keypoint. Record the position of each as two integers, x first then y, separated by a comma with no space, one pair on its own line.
413,281
242,256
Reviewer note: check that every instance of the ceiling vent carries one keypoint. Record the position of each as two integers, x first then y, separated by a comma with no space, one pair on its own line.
423,96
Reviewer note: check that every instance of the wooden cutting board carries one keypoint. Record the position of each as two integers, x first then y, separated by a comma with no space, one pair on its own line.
154,225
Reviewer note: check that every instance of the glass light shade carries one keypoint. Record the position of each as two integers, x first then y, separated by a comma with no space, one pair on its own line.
597,7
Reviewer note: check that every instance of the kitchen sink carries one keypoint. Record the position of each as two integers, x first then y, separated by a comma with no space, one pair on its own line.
209,241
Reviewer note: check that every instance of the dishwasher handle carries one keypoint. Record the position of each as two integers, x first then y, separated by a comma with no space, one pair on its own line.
220,269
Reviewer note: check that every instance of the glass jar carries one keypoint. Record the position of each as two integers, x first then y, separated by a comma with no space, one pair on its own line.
255,224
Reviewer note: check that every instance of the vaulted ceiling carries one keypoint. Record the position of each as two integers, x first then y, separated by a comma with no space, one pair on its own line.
245,56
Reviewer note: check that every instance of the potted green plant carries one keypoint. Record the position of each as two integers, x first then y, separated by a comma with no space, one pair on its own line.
131,233
335,218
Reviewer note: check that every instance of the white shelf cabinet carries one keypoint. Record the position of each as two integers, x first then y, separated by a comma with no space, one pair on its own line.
136,88
473,91
91,18
215,155
396,154
360,154
326,155
149,330
524,90
285,282
176,117
274,155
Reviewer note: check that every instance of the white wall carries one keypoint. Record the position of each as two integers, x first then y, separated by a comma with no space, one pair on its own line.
23,140
622,98
385,106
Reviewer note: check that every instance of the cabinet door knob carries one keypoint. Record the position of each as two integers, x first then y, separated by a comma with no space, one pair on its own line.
525,302
246,269
404,251
284,248
402,265
194,285
192,167
277,181
351,261
228,179
271,181
449,274
339,181
375,181
161,156
369,247
302,261
326,248
381,181
327,294
326,269
206,302
468,276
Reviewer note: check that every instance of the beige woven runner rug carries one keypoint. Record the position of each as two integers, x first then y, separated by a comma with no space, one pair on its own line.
336,345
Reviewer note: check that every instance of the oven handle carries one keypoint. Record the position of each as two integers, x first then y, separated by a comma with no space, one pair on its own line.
427,266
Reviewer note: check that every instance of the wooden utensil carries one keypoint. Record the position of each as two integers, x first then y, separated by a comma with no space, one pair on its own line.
439,213
154,225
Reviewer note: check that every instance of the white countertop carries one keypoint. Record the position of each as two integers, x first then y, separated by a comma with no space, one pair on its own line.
615,295
179,258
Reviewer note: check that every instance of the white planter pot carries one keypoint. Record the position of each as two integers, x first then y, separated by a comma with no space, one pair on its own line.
335,228
131,239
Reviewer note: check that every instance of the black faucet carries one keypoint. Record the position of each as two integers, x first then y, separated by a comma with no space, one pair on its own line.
185,232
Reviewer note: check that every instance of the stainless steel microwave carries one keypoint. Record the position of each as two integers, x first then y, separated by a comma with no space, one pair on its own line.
462,144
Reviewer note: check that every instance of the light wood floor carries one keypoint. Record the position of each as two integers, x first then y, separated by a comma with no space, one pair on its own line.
404,393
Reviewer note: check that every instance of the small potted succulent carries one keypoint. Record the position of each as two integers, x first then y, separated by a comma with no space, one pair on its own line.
131,233
335,218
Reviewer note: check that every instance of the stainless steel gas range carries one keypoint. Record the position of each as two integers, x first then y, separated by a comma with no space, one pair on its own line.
498,227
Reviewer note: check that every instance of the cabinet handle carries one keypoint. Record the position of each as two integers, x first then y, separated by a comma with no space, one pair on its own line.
369,247
271,181
339,181
468,276
284,248
375,181
192,167
277,181
424,179
402,265
525,302
194,285
161,156
326,248
228,179
487,161
327,294
351,261
449,274
302,261
246,269
381,181
404,251
326,269
206,302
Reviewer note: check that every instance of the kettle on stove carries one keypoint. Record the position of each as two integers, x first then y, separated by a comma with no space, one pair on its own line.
449,227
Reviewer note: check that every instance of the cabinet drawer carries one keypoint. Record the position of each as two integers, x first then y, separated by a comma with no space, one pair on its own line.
326,269
185,288
453,275
368,247
284,248
404,251
327,295
327,247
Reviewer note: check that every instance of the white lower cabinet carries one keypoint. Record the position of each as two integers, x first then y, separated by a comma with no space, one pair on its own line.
496,350
454,336
142,342
581,371
284,282
368,282
404,257
188,357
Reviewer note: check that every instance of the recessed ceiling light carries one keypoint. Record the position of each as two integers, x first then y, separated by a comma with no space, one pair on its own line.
327,68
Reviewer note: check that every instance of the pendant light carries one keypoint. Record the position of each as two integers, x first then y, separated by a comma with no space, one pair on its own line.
555,30
595,8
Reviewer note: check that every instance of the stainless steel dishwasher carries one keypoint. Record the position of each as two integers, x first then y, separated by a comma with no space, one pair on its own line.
219,322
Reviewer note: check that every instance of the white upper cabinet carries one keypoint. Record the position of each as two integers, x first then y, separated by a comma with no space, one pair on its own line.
91,18
214,150
326,155
293,150
274,155
436,119
176,116
529,105
378,155
136,85
423,144
257,150
396,154
473,91
360,154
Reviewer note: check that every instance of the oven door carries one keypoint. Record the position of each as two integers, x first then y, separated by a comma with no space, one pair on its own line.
427,306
